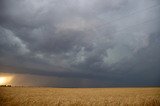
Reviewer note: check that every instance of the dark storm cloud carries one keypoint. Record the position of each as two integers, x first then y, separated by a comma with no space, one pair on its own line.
113,41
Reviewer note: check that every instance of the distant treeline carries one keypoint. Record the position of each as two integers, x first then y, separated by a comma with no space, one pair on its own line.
5,86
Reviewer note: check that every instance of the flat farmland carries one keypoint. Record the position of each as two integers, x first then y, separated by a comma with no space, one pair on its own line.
38,96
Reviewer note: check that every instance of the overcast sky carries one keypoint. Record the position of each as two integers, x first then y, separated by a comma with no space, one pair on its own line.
81,43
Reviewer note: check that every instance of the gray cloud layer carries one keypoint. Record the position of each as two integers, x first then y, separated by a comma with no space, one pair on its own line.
106,40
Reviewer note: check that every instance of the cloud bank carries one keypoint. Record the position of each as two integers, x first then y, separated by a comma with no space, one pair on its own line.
102,40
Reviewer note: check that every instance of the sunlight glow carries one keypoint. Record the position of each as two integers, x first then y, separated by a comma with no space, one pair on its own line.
5,80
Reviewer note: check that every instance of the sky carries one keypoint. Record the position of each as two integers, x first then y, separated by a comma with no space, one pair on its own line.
80,43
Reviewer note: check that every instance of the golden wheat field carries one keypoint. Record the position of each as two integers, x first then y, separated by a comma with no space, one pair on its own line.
29,96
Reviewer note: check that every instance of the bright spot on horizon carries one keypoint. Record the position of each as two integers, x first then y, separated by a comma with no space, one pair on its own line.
5,80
